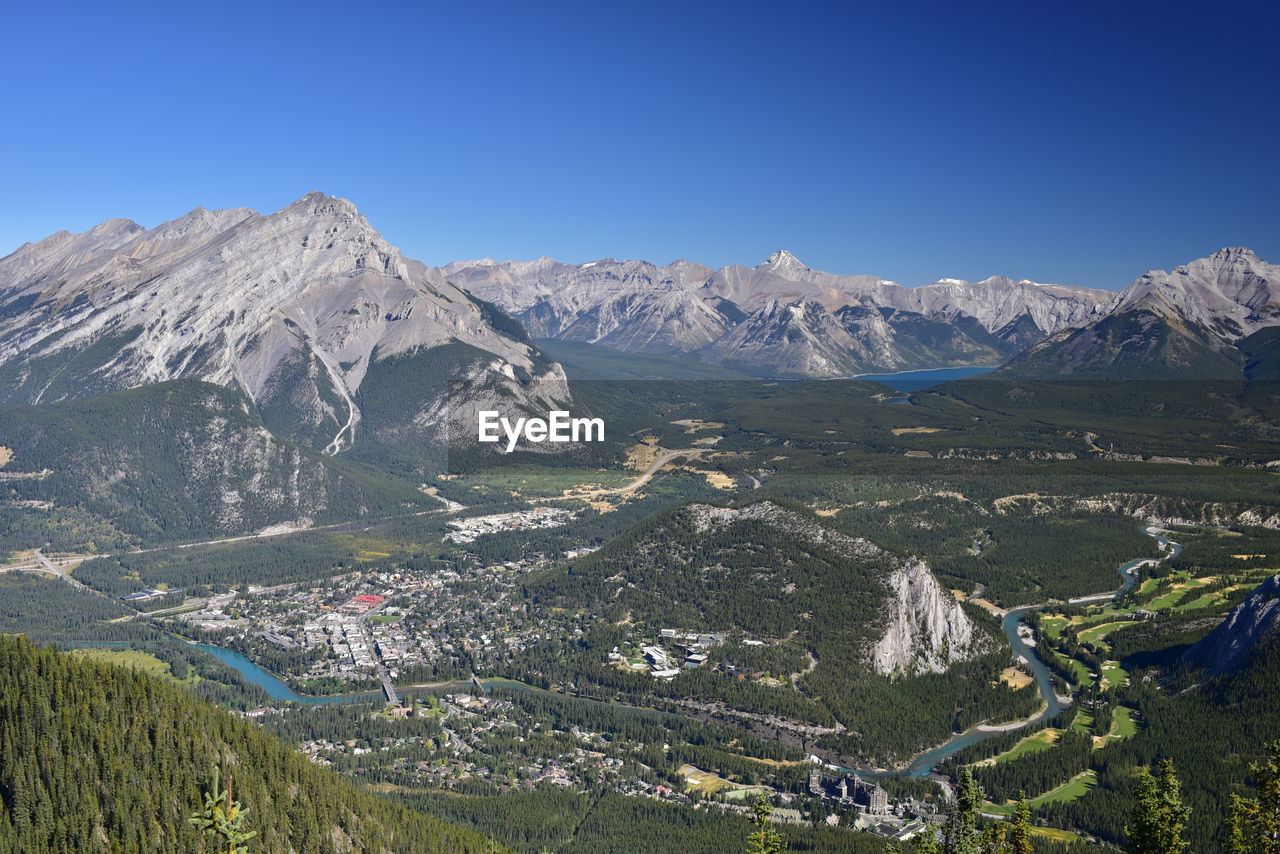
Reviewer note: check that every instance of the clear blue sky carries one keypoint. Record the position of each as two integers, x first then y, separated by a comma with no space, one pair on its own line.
1072,142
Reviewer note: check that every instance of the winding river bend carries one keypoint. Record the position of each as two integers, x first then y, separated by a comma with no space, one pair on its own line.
924,764
920,767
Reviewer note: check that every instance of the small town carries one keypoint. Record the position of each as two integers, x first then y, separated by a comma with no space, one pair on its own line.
416,632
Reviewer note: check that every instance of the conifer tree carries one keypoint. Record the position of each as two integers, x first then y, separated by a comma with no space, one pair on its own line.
766,840
1020,833
1158,813
223,817
961,834
927,842
1254,826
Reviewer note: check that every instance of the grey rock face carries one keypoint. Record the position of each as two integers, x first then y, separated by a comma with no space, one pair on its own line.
1233,292
800,338
927,630
627,305
780,317
1180,325
292,308
1253,620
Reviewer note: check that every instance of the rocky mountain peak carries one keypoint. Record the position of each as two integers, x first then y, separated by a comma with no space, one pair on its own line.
781,263
1233,253
317,203
294,308
113,228
1232,292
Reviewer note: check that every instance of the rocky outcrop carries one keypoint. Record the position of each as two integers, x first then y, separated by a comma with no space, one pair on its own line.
1252,621
1161,511
928,630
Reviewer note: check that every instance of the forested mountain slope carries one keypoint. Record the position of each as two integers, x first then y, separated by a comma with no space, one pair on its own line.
774,572
99,758
173,460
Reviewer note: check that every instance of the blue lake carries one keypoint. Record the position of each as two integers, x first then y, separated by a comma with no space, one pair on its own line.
916,380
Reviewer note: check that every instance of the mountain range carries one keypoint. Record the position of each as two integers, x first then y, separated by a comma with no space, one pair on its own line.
308,312
780,317
1211,318
338,342
1214,318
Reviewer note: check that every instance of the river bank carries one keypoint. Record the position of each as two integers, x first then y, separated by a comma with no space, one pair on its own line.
919,767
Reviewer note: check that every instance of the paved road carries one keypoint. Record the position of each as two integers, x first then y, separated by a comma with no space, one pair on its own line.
44,566
59,569
663,458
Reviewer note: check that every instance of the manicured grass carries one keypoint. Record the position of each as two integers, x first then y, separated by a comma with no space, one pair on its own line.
1173,594
1204,601
1078,670
1098,632
1057,834
748,794
1122,724
1148,587
1220,596
1113,674
1071,790
1083,723
1053,626
1034,743
384,618
703,781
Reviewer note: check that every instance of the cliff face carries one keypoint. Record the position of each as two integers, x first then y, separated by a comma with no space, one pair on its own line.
914,626
296,309
780,317
928,630
1253,620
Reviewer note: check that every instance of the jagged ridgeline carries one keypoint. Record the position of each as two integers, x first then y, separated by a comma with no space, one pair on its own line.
1209,319
102,758
780,318
336,339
